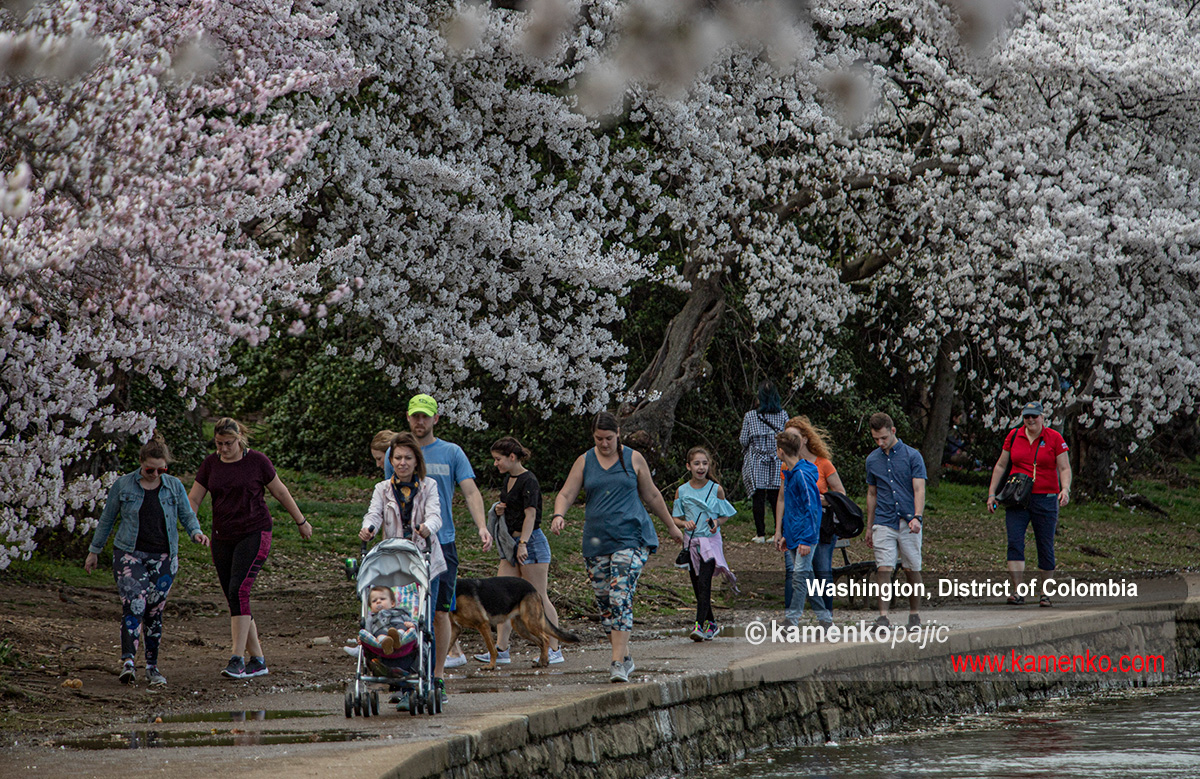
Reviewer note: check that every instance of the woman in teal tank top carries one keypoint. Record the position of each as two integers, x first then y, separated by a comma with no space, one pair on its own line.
618,535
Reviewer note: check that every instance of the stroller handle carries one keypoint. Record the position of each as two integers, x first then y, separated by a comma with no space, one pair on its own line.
363,551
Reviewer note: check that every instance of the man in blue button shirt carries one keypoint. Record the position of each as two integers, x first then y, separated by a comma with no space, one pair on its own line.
895,503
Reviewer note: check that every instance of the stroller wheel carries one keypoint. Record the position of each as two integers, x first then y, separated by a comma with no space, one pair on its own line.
349,702
414,702
364,703
375,703
358,704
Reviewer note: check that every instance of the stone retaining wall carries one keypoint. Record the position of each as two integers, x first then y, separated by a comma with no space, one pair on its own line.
798,697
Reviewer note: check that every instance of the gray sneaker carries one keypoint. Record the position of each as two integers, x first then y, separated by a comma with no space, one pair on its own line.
257,666
236,668
629,666
502,657
154,678
128,674
618,672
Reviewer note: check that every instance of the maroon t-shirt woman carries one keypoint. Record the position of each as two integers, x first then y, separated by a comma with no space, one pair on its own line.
239,479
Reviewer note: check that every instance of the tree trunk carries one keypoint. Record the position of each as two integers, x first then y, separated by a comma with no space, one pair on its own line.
1094,452
937,425
675,370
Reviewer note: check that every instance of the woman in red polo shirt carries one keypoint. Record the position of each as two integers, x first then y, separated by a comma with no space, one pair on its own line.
1040,453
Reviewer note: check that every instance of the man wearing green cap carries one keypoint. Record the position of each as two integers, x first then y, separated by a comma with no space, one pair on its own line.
446,464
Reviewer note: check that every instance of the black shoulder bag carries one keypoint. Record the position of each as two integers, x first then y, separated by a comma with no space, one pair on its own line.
1018,489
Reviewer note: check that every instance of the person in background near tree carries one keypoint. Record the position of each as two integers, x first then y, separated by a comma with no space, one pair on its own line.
814,449
618,536
760,463
1024,446
895,507
238,478
150,504
379,448
520,509
446,464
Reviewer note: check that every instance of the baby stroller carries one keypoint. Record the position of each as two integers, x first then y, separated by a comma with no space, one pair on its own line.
396,563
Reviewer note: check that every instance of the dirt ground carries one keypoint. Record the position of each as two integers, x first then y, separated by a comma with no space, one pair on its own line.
304,613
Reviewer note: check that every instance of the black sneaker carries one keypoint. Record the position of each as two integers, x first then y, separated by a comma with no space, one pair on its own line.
256,667
882,622
914,620
236,668
128,674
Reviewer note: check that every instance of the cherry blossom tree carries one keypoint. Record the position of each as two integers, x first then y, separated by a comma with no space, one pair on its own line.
492,215
136,141
932,162
1050,249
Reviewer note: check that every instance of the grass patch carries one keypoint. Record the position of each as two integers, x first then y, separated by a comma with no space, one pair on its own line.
960,536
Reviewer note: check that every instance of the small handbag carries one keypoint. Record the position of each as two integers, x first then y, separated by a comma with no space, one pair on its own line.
1016,492
1018,489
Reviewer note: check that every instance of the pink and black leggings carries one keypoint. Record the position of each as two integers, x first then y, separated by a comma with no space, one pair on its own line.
238,563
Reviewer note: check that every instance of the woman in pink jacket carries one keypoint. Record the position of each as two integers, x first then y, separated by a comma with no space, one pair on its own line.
407,505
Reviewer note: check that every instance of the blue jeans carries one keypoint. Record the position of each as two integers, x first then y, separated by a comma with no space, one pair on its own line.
1043,514
802,572
822,568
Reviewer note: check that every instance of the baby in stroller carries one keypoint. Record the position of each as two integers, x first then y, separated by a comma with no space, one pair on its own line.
395,640
390,632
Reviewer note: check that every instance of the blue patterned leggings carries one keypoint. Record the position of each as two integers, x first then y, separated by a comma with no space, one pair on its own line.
614,579
143,580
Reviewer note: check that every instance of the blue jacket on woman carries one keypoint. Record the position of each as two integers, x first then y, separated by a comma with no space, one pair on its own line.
126,498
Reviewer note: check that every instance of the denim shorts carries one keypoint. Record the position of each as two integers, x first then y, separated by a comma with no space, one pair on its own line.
538,548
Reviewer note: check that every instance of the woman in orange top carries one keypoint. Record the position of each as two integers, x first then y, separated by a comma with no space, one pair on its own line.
814,449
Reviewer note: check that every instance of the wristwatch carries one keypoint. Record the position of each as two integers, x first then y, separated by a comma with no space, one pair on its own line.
920,518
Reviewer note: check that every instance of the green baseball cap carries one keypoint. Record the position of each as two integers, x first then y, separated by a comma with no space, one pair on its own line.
423,404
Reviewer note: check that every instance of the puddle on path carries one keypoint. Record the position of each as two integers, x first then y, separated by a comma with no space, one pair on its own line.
260,715
153,739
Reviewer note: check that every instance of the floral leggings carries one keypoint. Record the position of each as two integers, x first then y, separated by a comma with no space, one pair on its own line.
614,579
143,580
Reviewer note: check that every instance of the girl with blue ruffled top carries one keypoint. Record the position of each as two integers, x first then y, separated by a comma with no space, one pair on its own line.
700,510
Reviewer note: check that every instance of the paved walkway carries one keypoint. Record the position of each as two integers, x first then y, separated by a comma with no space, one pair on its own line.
479,700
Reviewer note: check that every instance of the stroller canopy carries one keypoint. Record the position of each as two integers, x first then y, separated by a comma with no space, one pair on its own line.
393,562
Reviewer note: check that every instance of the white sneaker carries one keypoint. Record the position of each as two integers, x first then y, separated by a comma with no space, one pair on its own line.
556,657
759,539
457,661
502,657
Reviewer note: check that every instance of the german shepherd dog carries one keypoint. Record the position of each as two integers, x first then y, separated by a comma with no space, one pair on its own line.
485,603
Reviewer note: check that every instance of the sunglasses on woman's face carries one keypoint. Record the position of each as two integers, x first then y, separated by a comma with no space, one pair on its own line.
152,471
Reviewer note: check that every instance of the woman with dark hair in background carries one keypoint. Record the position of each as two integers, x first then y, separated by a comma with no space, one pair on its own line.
618,536
760,463
237,476
151,504
520,515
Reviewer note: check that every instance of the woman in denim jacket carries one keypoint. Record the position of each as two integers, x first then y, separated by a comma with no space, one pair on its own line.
151,504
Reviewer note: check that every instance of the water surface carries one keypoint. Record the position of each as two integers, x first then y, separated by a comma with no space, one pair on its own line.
1127,736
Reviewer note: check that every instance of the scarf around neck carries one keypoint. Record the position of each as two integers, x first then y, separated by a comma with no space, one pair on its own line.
405,493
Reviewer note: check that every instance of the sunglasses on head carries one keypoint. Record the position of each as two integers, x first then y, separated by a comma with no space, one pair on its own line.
154,470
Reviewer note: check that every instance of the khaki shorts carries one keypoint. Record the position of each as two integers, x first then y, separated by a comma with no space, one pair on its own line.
890,543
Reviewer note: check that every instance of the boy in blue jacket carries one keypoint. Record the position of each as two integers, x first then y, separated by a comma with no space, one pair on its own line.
798,530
